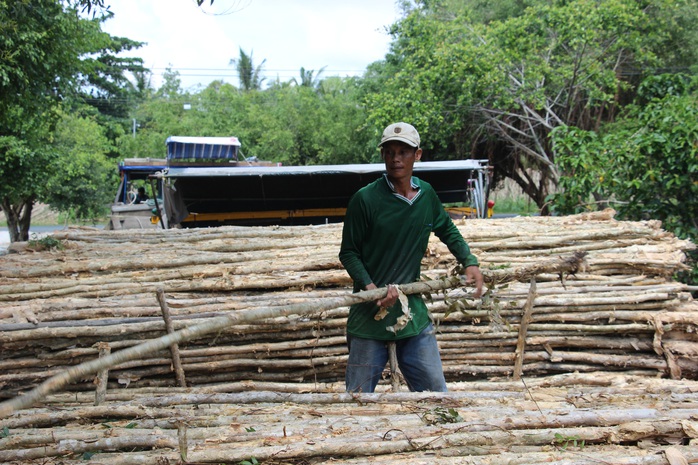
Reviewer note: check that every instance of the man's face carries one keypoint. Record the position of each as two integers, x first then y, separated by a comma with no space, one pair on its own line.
399,158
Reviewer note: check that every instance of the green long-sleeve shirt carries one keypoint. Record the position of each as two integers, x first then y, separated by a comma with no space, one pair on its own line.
384,240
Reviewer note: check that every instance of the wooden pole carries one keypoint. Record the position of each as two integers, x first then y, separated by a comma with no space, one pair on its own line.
523,330
174,348
103,375
182,440
392,360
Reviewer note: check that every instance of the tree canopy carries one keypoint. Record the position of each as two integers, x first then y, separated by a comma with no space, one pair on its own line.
645,164
495,87
46,51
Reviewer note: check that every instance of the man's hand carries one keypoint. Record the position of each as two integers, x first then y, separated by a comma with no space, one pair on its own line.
390,297
474,277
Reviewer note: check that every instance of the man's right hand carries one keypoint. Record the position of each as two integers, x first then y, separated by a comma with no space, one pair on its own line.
390,298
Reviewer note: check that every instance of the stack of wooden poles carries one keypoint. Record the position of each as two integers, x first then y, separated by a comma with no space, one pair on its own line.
583,351
619,311
559,420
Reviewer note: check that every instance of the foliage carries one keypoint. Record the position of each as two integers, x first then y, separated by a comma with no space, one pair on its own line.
88,5
159,115
494,87
297,125
441,415
81,177
309,78
45,243
249,76
105,85
514,204
524,83
564,441
40,48
644,165
44,50
22,168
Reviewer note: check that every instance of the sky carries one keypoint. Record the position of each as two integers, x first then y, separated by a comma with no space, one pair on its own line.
343,36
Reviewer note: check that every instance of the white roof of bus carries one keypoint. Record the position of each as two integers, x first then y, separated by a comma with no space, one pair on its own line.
204,140
181,172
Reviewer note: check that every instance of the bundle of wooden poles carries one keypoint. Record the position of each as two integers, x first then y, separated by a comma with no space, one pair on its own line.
559,419
225,344
617,309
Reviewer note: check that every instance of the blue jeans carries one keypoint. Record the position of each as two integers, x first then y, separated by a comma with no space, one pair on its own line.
418,359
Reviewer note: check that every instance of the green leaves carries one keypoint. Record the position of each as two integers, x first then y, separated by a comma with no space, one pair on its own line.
496,84
563,442
80,179
298,125
643,165
441,415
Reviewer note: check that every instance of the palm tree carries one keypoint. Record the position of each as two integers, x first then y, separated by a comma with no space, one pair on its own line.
307,78
250,77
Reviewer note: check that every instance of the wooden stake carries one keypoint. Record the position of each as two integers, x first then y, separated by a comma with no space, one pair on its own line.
182,440
392,359
523,330
174,348
102,376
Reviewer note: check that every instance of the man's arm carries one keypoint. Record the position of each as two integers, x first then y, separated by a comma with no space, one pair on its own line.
353,233
449,234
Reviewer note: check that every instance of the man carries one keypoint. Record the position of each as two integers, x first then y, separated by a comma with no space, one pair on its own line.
386,233
142,196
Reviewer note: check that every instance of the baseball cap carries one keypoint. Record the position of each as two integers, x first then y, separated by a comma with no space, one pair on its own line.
402,132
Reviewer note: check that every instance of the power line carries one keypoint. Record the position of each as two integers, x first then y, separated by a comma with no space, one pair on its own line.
263,69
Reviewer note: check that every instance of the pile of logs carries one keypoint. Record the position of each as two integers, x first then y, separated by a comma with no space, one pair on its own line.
619,311
583,351
559,420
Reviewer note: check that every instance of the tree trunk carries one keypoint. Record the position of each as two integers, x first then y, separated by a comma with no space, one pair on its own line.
18,218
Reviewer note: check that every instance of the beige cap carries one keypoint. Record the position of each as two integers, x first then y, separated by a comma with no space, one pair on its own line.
402,132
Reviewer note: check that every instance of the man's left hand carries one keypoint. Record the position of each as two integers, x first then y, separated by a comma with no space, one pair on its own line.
474,277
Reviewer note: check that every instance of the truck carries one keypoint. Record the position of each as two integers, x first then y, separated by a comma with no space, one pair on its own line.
204,181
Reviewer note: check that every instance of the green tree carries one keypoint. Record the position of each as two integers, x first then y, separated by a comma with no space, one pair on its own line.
250,77
496,88
287,124
81,178
23,165
644,165
105,84
344,135
309,78
170,111
41,45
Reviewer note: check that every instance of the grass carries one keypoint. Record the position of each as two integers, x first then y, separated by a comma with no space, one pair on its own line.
42,215
510,199
519,205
